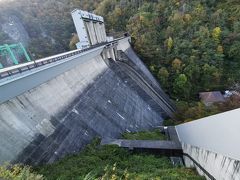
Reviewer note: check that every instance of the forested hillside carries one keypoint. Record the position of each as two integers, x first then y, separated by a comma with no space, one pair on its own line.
189,45
48,23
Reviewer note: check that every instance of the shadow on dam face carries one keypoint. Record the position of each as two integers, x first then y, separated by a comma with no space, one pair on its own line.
51,122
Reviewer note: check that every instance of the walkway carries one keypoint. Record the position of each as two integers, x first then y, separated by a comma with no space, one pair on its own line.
170,146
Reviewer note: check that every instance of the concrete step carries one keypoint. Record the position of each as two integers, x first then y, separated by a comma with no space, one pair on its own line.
177,161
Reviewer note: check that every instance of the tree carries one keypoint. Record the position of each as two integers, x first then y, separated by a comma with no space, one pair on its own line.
169,44
198,39
181,86
163,76
74,41
210,74
177,65
216,34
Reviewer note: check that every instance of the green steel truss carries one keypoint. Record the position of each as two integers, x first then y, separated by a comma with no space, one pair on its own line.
11,50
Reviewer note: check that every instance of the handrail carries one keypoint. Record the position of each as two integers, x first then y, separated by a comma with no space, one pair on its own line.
40,62
200,167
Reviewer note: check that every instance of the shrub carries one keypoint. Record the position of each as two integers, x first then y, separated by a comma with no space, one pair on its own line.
18,172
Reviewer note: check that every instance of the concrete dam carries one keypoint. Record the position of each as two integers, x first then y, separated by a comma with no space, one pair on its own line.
57,108
54,106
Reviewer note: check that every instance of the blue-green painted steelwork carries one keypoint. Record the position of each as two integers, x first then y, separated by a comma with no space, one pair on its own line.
11,50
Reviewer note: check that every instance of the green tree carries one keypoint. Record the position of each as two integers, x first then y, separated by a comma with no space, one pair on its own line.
181,86
216,33
163,76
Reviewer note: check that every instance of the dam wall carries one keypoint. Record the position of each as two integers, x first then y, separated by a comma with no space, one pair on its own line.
57,109
129,61
213,143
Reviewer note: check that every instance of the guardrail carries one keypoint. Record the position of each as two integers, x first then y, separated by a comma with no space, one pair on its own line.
5,72
199,166
9,71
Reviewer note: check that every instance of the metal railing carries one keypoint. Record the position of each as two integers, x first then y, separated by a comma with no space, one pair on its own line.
199,166
5,72
12,70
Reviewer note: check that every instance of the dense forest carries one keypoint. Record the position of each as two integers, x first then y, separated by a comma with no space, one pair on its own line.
189,45
48,23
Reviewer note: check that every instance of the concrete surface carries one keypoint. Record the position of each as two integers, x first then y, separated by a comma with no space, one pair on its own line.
213,143
171,147
218,133
218,166
143,144
35,77
64,113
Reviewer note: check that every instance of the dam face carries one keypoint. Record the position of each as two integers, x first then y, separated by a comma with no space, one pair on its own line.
55,115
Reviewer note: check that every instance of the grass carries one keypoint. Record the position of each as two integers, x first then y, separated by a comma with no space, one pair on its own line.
145,135
112,162
171,122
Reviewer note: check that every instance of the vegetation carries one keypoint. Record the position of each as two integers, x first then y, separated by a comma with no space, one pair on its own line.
189,45
18,172
112,162
155,134
48,23
105,163
196,110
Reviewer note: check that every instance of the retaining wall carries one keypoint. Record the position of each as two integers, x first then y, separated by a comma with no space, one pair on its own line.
213,142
